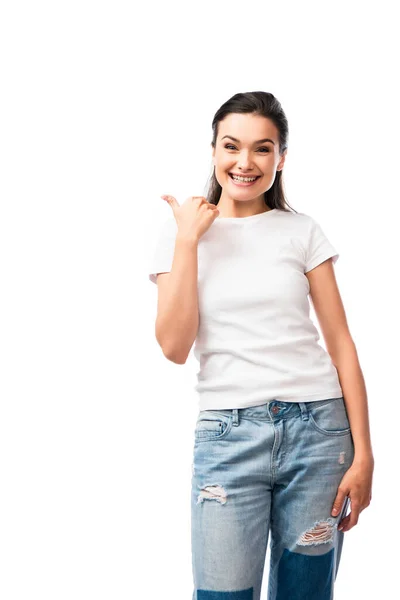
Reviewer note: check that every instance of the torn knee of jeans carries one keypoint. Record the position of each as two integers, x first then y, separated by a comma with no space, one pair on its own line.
320,533
212,492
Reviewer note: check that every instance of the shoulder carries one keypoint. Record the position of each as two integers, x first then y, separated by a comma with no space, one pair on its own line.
299,223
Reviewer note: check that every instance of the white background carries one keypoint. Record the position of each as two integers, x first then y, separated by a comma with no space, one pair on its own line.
104,107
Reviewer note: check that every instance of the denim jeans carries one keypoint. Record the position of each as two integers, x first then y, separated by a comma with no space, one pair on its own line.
272,469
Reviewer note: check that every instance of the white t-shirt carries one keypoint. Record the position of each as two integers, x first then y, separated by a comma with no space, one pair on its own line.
256,341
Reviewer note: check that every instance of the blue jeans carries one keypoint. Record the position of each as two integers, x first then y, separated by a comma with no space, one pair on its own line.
273,468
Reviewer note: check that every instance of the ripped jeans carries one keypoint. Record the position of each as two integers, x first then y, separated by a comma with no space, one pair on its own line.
272,469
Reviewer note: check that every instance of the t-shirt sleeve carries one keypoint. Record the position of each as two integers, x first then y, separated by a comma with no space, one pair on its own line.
163,253
318,247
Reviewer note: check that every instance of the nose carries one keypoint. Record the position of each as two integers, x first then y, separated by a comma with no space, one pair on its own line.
244,161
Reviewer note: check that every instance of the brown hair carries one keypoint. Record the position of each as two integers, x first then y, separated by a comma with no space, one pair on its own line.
265,105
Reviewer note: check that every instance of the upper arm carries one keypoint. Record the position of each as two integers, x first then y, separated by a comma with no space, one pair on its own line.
164,250
162,286
328,305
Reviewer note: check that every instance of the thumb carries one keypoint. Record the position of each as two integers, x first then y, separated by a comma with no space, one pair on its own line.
171,201
338,503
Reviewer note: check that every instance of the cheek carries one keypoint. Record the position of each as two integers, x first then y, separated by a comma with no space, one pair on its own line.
222,170
225,164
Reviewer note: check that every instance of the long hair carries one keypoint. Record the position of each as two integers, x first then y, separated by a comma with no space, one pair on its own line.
266,105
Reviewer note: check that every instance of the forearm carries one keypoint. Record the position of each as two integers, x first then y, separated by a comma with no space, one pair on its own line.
178,316
355,397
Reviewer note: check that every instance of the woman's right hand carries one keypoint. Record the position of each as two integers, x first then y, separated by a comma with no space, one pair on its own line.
195,215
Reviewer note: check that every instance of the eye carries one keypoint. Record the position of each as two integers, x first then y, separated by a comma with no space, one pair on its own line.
229,146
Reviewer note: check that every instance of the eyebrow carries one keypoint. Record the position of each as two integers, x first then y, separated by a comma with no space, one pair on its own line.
256,142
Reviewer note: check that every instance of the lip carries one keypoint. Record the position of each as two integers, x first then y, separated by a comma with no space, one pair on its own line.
244,184
242,175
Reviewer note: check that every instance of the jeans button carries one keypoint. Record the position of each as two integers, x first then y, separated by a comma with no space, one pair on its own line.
275,409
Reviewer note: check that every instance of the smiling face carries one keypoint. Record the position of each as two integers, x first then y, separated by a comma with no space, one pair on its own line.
254,152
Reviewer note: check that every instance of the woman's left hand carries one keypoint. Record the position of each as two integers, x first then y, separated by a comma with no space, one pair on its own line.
357,484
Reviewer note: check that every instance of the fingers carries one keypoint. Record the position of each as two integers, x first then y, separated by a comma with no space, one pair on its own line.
343,525
352,519
338,503
173,202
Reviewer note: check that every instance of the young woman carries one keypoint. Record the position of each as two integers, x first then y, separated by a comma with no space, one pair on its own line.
282,441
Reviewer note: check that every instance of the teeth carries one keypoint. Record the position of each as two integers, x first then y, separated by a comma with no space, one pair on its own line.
244,178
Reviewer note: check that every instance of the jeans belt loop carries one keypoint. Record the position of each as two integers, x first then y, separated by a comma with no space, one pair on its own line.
304,411
235,417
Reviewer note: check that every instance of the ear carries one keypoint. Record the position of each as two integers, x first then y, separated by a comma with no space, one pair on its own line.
281,162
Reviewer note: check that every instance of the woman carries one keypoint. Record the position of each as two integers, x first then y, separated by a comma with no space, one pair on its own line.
282,441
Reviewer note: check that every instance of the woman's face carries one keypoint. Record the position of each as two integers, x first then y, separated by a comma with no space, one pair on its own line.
246,155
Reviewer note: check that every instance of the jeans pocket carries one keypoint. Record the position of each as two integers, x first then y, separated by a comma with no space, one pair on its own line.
329,417
212,425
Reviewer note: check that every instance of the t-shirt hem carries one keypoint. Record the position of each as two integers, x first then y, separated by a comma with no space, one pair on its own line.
215,405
